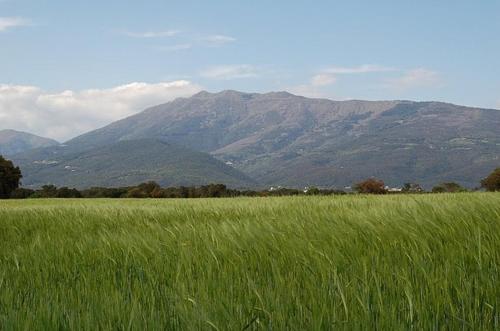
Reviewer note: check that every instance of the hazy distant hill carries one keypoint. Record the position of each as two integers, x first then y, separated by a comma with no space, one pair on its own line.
12,142
125,163
280,138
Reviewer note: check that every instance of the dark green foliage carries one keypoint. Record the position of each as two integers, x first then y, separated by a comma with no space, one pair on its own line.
492,182
47,191
65,192
9,177
22,193
51,191
448,188
104,192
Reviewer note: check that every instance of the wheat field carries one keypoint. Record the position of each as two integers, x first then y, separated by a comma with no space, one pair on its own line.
397,262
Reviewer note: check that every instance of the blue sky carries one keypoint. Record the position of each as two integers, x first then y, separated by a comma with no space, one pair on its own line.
425,50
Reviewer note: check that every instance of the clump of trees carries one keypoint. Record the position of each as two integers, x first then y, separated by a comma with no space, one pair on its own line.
371,186
9,178
450,187
492,182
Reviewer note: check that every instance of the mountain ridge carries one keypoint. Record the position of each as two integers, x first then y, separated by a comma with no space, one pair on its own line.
279,138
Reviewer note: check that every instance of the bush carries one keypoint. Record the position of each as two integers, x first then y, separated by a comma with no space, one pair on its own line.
21,193
104,192
450,187
371,186
65,192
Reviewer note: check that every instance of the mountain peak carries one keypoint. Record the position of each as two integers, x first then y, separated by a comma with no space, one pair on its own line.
202,94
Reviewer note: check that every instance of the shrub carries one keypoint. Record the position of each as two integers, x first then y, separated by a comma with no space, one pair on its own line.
450,187
21,193
371,186
492,182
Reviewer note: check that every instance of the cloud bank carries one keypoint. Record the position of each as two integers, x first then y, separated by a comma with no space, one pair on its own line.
69,113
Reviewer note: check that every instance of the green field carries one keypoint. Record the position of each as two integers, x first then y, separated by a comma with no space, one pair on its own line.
394,262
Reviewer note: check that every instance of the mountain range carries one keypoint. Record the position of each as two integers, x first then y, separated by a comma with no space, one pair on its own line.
251,139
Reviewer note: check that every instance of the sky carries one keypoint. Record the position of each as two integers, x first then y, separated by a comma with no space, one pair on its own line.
67,67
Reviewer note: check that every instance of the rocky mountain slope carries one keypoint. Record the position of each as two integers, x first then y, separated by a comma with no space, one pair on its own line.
13,142
283,139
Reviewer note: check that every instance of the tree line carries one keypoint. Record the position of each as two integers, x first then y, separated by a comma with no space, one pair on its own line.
154,190
10,177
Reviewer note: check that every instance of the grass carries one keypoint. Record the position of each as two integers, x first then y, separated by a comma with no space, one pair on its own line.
293,263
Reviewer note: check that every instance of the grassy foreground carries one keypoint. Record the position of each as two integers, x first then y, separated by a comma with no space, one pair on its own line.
296,263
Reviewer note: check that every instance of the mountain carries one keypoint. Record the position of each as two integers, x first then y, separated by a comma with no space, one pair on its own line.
13,142
125,163
282,139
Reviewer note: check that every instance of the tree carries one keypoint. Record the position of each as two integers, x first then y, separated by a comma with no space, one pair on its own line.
9,178
449,187
21,193
47,191
371,186
492,182
65,192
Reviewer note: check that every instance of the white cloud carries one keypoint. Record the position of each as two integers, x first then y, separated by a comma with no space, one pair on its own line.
315,87
362,69
69,113
217,40
228,72
329,76
12,22
323,79
175,48
415,78
152,34
307,90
